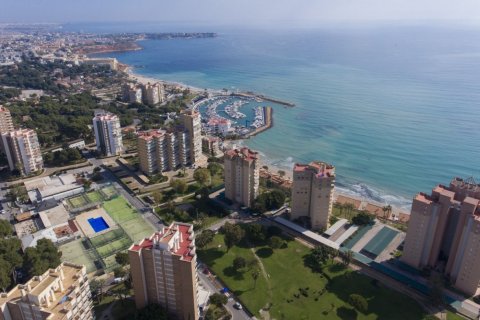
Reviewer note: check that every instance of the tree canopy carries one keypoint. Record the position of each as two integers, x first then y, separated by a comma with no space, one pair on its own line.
233,234
269,201
122,258
5,228
39,259
202,176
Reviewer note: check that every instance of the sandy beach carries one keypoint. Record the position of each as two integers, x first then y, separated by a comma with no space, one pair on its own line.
365,203
144,80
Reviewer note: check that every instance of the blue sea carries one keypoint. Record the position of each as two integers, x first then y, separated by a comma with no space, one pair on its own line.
395,108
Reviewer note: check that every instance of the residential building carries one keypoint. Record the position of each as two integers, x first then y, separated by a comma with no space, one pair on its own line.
6,124
211,146
241,175
312,193
154,151
153,93
218,125
112,63
23,150
166,150
108,134
163,271
444,233
191,121
132,93
58,294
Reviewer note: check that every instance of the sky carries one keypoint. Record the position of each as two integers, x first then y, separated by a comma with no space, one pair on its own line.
239,12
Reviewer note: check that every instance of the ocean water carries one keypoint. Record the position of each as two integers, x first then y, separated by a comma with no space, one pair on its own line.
395,109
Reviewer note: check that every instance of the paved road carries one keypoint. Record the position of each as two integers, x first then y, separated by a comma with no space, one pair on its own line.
213,286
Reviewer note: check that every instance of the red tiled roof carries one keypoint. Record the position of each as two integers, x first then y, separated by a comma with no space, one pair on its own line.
184,245
244,153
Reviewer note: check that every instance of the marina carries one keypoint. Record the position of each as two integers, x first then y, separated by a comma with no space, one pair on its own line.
232,115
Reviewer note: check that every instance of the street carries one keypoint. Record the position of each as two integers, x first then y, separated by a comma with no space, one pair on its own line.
213,286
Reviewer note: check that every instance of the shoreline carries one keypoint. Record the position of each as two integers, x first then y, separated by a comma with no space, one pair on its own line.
342,196
132,75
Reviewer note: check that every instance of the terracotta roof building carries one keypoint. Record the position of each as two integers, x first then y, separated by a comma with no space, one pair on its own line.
241,175
312,193
163,269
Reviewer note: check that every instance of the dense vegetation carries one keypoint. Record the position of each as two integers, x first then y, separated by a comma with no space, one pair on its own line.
35,260
32,73
62,157
64,114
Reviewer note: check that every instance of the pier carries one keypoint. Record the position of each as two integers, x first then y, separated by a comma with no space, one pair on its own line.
268,112
250,94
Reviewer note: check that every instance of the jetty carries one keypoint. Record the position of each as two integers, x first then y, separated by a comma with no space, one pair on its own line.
267,114
249,94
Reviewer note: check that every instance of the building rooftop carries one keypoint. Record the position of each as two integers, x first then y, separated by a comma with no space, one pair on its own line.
320,168
217,120
55,283
244,153
178,238
150,134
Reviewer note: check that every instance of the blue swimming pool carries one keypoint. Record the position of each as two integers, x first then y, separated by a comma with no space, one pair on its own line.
98,224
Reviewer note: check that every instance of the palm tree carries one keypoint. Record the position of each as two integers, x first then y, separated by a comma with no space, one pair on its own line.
386,211
349,209
347,257
339,206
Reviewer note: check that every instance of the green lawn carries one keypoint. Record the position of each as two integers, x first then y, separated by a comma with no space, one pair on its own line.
287,274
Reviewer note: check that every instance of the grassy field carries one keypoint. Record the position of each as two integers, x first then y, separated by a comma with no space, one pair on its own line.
286,274
127,217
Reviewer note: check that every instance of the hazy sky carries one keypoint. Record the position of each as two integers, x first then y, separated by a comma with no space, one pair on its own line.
237,12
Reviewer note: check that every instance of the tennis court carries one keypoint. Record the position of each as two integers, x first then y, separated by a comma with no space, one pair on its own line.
108,192
113,247
119,209
378,243
107,237
94,196
77,202
129,219
79,253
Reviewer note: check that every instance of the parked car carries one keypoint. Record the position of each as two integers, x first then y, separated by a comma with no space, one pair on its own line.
238,306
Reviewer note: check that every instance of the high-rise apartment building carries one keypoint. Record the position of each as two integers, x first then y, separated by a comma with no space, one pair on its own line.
312,193
154,151
444,233
163,270
108,134
132,93
23,150
153,93
191,121
241,175
62,293
6,124
166,150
